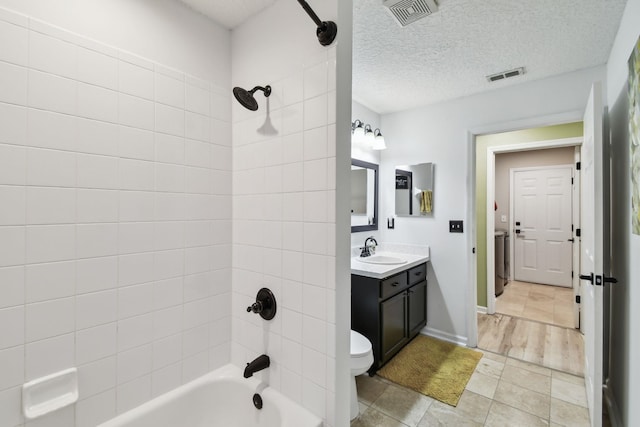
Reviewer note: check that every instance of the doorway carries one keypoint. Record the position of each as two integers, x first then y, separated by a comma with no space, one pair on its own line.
532,196
540,227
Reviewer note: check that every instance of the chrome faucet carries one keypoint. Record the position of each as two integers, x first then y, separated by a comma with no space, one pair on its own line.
258,364
366,249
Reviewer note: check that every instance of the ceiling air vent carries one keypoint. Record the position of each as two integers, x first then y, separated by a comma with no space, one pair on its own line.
506,74
407,11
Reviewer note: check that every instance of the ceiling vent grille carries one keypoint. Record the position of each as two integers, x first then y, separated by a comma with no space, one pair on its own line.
408,11
505,74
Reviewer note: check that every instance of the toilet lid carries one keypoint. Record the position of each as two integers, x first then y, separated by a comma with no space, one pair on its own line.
360,345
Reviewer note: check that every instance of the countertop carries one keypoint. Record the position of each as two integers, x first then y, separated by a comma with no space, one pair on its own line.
381,271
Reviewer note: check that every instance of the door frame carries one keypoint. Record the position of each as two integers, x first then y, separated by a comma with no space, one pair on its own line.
471,296
512,237
491,164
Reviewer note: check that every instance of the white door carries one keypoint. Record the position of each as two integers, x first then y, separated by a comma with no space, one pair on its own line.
543,216
592,268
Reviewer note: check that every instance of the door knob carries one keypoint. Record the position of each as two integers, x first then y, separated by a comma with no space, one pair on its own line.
587,277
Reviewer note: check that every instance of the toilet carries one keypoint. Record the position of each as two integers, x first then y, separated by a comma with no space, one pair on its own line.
361,361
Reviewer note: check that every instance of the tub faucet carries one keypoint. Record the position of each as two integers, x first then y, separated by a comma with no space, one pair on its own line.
366,249
258,364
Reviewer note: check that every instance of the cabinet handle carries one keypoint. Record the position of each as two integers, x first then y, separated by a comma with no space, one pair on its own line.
417,273
394,284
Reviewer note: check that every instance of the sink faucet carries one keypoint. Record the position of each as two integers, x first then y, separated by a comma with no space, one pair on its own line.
258,364
366,249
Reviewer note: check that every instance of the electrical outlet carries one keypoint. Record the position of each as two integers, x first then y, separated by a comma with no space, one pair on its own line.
503,218
455,227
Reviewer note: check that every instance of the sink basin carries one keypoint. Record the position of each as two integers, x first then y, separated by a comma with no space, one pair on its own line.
382,259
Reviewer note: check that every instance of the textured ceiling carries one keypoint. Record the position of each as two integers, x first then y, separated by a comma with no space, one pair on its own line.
229,13
448,54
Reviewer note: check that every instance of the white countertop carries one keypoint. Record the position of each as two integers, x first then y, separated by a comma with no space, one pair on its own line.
381,271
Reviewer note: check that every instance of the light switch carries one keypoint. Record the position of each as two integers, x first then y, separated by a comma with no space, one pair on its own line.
503,218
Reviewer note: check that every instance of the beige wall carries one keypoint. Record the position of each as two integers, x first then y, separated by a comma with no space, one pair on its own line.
507,161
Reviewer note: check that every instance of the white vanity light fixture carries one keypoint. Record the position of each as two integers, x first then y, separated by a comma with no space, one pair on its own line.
357,131
363,135
378,141
368,136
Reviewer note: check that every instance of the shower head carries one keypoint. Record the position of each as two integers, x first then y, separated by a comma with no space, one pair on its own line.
246,99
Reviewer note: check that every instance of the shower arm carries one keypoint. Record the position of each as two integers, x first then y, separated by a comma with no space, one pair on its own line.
311,13
266,90
326,31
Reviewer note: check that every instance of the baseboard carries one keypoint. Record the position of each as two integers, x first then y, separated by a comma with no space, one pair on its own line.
444,336
612,406
481,309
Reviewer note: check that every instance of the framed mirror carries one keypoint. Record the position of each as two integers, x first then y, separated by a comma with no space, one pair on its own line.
364,196
414,189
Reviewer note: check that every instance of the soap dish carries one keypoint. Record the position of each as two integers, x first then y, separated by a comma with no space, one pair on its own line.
50,393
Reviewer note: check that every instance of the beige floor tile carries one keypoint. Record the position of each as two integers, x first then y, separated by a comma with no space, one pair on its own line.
501,415
373,418
568,414
526,400
493,356
529,366
482,384
542,303
445,419
569,392
563,376
369,388
490,367
527,379
472,410
402,404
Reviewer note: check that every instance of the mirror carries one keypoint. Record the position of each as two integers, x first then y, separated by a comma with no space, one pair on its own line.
364,196
414,189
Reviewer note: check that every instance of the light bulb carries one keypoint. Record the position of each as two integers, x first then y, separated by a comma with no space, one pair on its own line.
358,132
368,136
378,143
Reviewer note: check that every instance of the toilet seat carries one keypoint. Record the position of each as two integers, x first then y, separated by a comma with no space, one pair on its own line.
360,345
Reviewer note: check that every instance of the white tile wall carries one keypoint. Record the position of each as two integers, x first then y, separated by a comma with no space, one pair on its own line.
114,229
282,233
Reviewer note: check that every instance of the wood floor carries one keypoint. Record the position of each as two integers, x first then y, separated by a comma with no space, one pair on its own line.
540,343
543,303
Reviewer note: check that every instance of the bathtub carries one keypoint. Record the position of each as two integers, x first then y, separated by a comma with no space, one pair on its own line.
222,398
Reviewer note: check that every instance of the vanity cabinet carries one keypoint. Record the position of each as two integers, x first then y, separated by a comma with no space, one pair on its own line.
390,311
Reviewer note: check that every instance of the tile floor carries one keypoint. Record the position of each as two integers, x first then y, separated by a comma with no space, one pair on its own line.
542,303
501,392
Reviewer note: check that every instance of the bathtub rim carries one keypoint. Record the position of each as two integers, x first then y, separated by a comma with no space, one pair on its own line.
291,411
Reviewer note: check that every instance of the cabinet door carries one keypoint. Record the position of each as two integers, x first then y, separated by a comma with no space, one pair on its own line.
417,302
393,325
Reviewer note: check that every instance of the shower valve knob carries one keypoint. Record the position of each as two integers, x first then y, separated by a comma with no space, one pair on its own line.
256,307
265,304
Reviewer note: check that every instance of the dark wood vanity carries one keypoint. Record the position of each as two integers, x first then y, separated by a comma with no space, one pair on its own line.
389,311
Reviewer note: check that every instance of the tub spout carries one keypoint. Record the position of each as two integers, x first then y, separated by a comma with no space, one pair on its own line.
260,363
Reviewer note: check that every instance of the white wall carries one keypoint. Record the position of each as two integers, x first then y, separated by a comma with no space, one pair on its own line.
165,31
115,187
284,198
625,296
440,134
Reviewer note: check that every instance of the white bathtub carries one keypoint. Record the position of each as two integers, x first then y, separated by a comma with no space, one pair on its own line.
222,398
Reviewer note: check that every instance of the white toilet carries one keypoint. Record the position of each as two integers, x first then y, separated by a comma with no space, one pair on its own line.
361,361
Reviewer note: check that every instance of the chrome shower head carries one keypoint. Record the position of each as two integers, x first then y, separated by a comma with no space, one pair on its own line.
246,98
